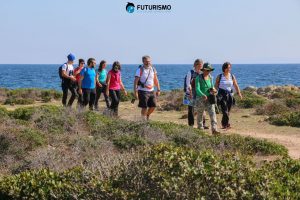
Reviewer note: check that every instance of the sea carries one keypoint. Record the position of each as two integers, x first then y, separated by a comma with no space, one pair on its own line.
171,76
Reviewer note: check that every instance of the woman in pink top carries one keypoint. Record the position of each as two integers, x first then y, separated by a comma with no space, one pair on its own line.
114,85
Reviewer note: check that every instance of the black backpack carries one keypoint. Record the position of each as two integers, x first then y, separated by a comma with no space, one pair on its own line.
184,84
60,70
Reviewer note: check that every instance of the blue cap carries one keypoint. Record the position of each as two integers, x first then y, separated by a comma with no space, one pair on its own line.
71,57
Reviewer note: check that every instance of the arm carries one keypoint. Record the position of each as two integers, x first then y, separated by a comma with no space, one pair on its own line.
135,85
156,83
237,88
108,83
217,84
65,75
80,84
198,90
123,87
97,80
188,81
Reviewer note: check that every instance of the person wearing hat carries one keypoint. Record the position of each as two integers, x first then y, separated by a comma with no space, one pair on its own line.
224,84
68,81
204,91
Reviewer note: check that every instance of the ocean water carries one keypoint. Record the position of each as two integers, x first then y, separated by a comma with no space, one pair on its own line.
171,76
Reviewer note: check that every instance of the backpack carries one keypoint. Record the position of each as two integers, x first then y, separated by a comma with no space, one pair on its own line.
60,71
192,81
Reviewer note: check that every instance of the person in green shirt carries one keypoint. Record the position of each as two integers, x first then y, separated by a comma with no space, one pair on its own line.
204,87
101,84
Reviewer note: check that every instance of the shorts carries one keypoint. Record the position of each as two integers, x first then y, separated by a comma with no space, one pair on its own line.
147,99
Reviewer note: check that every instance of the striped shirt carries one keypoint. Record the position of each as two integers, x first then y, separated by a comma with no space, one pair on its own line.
226,84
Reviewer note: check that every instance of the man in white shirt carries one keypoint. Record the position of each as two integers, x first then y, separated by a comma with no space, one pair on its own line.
68,81
144,83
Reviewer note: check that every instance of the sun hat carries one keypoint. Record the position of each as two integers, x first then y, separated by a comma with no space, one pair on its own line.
207,67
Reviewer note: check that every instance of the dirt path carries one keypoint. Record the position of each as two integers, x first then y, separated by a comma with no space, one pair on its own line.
244,122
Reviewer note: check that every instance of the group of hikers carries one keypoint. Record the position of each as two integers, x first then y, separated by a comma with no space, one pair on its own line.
88,83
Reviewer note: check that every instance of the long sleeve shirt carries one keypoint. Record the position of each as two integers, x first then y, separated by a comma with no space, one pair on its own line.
202,88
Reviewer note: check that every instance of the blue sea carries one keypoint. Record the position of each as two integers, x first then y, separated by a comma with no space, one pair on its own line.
171,76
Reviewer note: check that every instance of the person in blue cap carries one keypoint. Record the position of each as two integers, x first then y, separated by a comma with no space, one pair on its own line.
68,81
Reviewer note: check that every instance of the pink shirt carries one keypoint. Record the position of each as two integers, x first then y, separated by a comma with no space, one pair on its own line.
115,80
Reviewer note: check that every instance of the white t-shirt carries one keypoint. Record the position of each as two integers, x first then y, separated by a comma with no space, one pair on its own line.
68,68
150,81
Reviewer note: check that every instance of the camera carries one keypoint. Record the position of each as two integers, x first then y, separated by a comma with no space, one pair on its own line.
141,84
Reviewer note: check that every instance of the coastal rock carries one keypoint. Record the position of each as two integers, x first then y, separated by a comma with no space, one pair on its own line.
251,89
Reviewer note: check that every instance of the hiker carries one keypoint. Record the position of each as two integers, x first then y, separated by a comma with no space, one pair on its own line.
144,83
101,84
77,71
224,84
113,87
87,84
68,81
205,97
191,92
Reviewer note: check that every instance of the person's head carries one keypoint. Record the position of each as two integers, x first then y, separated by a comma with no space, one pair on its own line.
102,65
198,64
146,61
81,62
207,68
71,58
116,66
91,62
226,67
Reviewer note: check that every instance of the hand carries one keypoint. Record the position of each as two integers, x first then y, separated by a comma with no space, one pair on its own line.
136,95
204,98
125,92
241,96
73,78
80,91
157,93
99,84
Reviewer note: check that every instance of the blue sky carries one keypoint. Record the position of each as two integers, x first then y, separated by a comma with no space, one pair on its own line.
256,31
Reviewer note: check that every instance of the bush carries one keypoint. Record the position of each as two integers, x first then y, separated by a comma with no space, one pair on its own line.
32,138
272,109
250,100
287,119
167,172
3,112
129,96
128,141
293,103
18,101
46,184
22,113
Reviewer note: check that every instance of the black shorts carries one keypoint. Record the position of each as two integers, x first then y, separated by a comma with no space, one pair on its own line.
147,99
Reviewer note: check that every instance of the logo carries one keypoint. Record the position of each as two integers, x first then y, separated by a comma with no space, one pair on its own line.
145,8
130,7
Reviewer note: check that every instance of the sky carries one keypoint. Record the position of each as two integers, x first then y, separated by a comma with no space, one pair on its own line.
247,31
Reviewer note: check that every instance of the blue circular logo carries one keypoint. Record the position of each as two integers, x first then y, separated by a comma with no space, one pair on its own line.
130,7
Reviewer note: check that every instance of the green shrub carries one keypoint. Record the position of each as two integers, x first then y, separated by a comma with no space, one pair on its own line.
250,100
47,95
46,184
167,172
293,103
32,138
129,96
287,119
247,145
128,141
23,113
272,109
3,112
18,101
